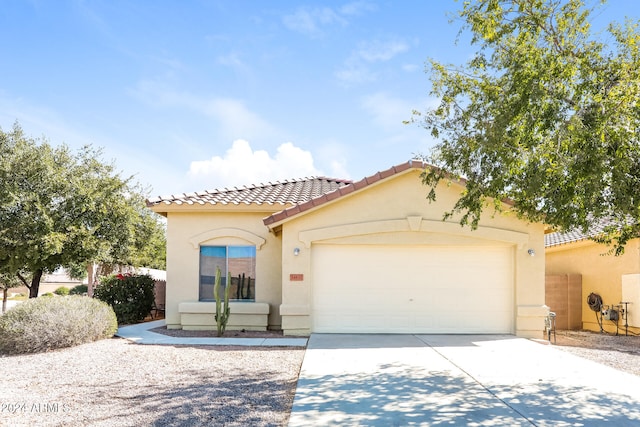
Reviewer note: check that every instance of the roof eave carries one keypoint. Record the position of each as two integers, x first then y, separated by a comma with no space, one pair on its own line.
165,208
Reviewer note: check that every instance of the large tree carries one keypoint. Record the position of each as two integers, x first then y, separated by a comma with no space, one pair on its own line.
60,208
545,114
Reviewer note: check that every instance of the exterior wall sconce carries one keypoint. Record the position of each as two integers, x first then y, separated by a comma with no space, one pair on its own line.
531,252
296,251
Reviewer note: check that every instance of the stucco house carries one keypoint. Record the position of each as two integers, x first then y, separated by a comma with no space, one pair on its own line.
335,256
615,278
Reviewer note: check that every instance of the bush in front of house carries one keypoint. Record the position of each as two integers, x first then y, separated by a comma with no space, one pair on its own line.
130,295
42,324
79,290
62,291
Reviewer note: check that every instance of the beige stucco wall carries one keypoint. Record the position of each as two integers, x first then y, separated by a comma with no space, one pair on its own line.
601,273
186,231
395,211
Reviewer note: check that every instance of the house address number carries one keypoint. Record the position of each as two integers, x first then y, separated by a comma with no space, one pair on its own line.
296,277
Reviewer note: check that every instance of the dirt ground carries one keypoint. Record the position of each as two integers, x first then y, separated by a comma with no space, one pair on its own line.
213,334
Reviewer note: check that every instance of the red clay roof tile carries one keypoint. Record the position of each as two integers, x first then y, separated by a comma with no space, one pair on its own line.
290,192
302,194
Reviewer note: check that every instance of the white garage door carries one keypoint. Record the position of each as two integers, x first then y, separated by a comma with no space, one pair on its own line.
412,289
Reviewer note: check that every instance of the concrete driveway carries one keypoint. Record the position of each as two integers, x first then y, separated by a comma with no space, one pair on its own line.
457,380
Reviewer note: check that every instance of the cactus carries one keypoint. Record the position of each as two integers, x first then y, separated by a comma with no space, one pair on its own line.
222,312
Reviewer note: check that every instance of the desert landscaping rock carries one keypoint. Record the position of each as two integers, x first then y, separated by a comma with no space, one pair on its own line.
617,351
117,383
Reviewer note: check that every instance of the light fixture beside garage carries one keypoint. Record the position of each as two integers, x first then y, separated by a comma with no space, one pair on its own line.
531,252
296,251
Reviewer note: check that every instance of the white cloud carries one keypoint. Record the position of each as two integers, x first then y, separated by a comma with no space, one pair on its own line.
378,51
233,60
312,21
387,111
356,68
41,121
333,155
241,165
339,169
355,74
233,118
410,68
357,8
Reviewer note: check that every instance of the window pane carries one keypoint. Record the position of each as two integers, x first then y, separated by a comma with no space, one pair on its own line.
211,257
242,267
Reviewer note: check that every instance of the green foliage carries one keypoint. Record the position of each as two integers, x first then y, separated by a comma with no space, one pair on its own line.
149,246
131,296
77,271
62,291
544,115
44,324
8,281
222,311
79,290
60,208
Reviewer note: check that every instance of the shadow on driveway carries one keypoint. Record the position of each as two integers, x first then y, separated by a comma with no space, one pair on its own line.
438,380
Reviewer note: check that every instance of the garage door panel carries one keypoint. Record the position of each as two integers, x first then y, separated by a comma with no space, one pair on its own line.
414,289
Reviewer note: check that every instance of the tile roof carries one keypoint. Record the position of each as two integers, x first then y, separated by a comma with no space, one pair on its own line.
289,192
342,191
564,237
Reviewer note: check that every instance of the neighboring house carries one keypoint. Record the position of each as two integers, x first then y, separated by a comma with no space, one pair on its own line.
335,256
60,278
615,278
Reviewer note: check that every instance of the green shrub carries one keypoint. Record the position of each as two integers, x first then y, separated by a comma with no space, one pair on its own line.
79,290
62,291
131,296
48,294
19,297
42,324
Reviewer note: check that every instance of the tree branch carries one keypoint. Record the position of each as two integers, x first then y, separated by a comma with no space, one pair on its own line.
23,280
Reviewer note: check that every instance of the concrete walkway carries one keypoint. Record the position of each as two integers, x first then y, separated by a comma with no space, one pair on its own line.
466,380
142,334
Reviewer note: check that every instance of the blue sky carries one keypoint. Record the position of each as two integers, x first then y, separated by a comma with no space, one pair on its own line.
194,95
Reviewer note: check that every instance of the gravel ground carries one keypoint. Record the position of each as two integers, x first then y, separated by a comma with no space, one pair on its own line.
620,352
100,384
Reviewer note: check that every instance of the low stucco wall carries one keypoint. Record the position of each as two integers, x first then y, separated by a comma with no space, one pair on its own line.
244,315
